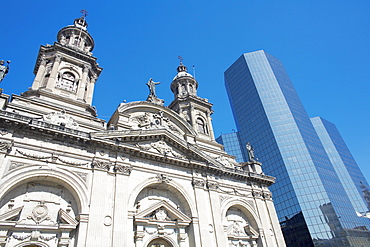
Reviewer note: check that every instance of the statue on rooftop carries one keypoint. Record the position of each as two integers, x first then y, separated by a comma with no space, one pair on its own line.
250,151
151,85
3,69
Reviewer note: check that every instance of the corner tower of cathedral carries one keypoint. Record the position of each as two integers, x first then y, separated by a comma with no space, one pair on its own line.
65,77
195,110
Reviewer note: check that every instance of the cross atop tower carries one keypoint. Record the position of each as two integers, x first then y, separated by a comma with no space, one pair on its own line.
84,13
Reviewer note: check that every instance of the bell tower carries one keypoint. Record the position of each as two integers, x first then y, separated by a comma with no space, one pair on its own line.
195,110
66,72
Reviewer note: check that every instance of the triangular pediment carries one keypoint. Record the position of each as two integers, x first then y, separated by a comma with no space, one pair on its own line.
160,142
11,214
163,211
66,219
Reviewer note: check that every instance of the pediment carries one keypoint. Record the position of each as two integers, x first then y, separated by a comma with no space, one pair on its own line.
163,211
66,219
144,115
11,214
160,143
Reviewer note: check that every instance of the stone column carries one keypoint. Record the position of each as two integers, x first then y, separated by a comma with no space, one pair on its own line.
90,91
52,79
39,75
82,85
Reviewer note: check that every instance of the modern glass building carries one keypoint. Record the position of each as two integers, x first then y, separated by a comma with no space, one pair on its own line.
314,196
231,141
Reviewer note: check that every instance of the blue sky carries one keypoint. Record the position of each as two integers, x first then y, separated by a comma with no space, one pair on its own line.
324,46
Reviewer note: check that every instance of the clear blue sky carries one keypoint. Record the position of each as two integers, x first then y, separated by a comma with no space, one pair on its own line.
324,46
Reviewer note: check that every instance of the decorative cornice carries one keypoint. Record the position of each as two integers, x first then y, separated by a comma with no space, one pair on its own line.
195,157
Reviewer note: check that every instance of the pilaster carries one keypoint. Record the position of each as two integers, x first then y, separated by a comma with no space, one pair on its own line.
207,238
219,233
98,211
82,85
39,75
52,79
90,90
120,221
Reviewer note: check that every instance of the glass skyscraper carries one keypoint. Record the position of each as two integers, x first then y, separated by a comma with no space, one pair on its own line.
319,190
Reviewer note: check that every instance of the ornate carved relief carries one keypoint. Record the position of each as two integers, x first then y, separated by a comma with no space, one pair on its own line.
160,147
198,183
3,132
14,165
257,194
61,118
163,178
126,170
150,120
74,163
101,165
34,156
40,213
228,162
82,175
212,185
267,195
5,146
238,229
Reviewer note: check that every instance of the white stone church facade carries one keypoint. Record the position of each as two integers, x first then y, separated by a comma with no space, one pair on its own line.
153,176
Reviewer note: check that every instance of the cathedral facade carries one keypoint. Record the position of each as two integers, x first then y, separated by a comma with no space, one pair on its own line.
152,176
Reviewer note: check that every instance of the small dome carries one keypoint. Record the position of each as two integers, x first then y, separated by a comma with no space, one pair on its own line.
182,71
80,23
76,36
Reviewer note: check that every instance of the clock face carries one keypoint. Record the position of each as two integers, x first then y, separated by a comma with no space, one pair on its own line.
68,82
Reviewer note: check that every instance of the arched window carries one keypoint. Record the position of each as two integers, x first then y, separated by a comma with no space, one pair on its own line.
202,128
159,243
68,82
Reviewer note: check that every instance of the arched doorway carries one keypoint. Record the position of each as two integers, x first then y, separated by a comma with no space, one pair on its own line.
159,243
